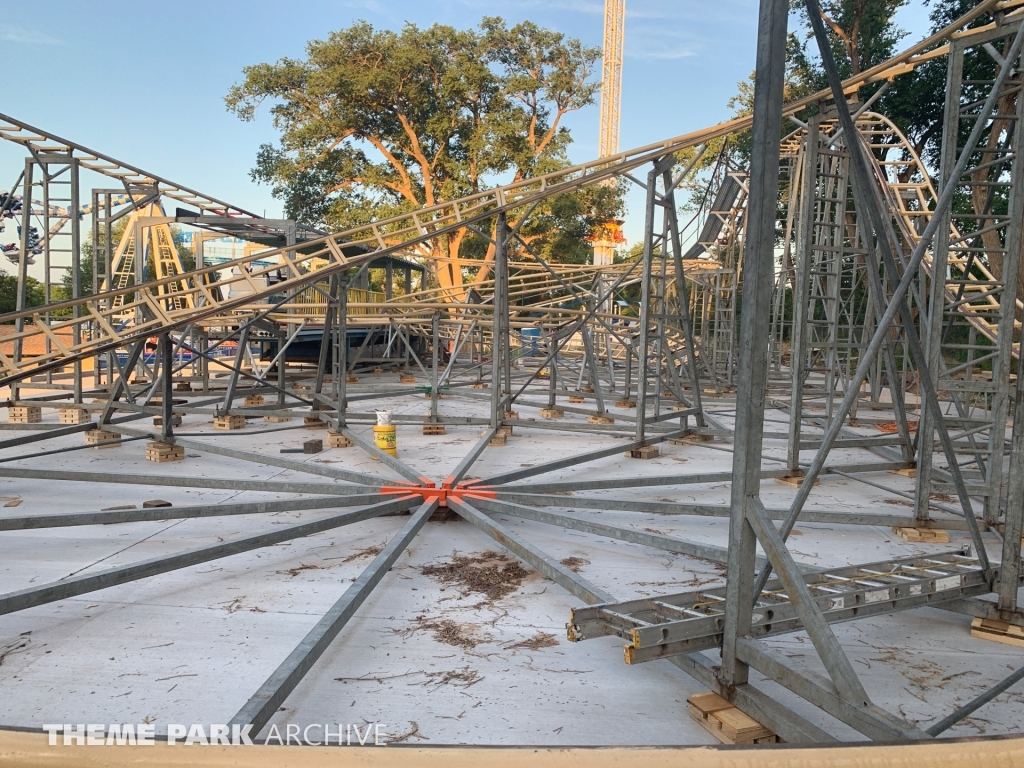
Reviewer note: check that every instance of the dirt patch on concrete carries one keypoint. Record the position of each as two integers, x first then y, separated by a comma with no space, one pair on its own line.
574,563
538,641
446,631
493,574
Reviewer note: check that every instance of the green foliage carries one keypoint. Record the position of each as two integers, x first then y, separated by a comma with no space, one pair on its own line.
862,33
9,293
374,123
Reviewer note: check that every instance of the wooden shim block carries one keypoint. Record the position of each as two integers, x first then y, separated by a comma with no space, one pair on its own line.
182,386
740,727
795,480
433,429
708,702
551,413
498,439
998,631
600,420
407,379
577,399
254,400
587,389
161,452
478,385
725,722
351,379
922,535
277,419
313,422
512,415
94,436
645,452
378,370
338,440
625,404
908,472
74,416
232,421
313,446
158,421
24,414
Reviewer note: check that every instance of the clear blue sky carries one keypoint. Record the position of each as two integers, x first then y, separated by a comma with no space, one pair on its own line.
144,82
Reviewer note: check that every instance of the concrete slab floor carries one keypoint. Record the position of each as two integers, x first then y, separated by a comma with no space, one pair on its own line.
192,645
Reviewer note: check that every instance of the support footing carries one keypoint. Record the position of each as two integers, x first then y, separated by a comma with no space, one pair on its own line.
231,421
74,416
94,436
338,440
726,723
644,452
24,414
922,535
998,631
161,452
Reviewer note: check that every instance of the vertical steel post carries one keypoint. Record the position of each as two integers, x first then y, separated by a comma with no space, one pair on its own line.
167,396
752,362
499,308
435,340
643,336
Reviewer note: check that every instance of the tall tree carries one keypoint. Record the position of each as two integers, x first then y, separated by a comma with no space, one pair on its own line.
374,123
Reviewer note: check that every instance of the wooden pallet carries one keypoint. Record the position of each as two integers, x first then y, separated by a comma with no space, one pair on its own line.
254,400
433,429
726,723
24,414
94,436
74,416
644,452
161,452
338,440
922,535
998,631
231,421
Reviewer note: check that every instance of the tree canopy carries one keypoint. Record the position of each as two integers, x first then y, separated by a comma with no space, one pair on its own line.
374,123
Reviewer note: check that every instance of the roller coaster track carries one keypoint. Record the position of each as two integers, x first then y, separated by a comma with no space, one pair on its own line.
160,307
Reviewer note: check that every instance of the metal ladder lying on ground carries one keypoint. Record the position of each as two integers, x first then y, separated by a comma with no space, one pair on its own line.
657,627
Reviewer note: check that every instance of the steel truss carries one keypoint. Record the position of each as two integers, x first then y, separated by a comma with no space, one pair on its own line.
881,287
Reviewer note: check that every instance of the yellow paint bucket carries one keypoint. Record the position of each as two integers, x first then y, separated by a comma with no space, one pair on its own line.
384,436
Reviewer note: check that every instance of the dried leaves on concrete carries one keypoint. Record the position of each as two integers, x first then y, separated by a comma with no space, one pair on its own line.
574,563
448,632
368,552
490,573
538,641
